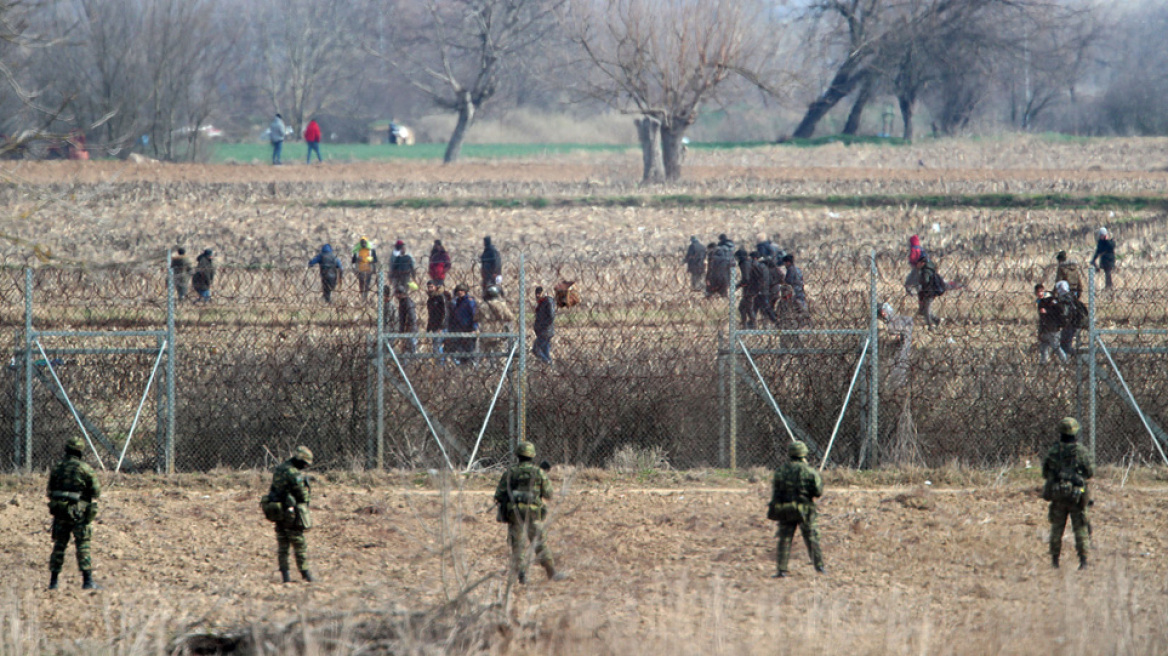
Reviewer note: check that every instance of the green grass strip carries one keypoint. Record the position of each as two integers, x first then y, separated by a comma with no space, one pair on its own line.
989,201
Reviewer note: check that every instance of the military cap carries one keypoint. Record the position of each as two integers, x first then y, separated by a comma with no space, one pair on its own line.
75,445
1069,426
525,450
797,450
303,454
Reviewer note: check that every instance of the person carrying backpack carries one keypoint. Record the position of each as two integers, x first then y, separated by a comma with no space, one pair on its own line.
1073,313
915,253
932,286
521,497
1065,469
793,492
330,271
1105,253
1069,271
365,262
401,267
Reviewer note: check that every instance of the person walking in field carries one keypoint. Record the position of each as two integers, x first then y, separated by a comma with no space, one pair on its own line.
287,505
718,264
401,266
1073,312
545,325
521,497
1050,324
439,262
1067,467
695,263
1105,253
932,286
180,264
793,492
490,265
407,318
463,319
912,283
330,271
495,317
73,492
794,280
364,261
276,135
312,139
204,275
437,311
1068,271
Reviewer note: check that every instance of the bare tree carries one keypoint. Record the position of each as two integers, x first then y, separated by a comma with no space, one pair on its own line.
662,59
456,51
307,51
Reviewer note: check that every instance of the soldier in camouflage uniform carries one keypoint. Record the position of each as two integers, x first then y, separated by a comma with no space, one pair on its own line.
73,493
1066,468
520,496
796,486
291,488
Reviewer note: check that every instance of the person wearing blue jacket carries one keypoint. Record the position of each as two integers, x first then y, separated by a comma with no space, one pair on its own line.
462,320
1105,253
330,270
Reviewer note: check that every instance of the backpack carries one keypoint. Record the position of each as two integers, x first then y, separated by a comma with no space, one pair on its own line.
365,260
937,285
1068,486
1069,271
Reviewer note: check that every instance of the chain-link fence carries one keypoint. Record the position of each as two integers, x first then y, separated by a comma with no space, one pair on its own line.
642,361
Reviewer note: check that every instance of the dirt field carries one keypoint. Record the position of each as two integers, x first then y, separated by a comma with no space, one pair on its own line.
681,564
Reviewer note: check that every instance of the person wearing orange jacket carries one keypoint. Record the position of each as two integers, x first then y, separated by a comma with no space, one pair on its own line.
312,138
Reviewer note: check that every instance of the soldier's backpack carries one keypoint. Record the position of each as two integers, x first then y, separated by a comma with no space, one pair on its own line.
521,493
1067,486
1069,271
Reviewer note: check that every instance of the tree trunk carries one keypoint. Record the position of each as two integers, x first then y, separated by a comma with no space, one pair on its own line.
862,98
841,85
671,150
466,115
906,114
648,130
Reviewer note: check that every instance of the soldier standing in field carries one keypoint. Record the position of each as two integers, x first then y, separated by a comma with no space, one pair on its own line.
520,496
795,488
292,492
1065,469
73,493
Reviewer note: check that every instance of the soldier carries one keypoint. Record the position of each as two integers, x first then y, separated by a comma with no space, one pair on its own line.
796,486
520,496
291,489
73,493
1066,468
1068,271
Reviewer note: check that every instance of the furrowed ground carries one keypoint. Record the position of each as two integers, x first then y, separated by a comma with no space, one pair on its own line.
676,561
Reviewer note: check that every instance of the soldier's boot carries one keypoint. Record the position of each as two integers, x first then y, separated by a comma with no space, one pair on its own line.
285,576
781,574
53,580
821,569
307,575
87,581
552,574
1083,561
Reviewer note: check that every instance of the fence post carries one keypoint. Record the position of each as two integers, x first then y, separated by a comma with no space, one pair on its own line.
723,415
170,370
521,433
1092,341
26,449
377,449
732,400
873,359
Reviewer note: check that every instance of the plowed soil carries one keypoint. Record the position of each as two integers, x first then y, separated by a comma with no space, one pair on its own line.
953,562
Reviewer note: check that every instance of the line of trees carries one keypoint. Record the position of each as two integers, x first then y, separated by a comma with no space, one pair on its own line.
148,74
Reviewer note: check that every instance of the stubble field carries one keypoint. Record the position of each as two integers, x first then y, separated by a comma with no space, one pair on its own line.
660,563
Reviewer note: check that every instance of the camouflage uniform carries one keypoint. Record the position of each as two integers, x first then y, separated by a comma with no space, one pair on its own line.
73,492
795,488
520,496
1066,468
289,481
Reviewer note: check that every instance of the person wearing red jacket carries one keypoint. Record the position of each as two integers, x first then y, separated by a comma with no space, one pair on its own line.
912,283
312,138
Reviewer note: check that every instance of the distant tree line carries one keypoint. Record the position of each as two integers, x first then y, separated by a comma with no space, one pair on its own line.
146,75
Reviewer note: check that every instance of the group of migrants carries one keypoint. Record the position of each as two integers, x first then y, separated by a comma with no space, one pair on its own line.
521,498
770,281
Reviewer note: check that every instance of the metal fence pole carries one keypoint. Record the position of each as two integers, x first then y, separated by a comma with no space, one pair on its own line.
723,415
873,361
732,400
377,449
170,370
26,449
1093,339
522,389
